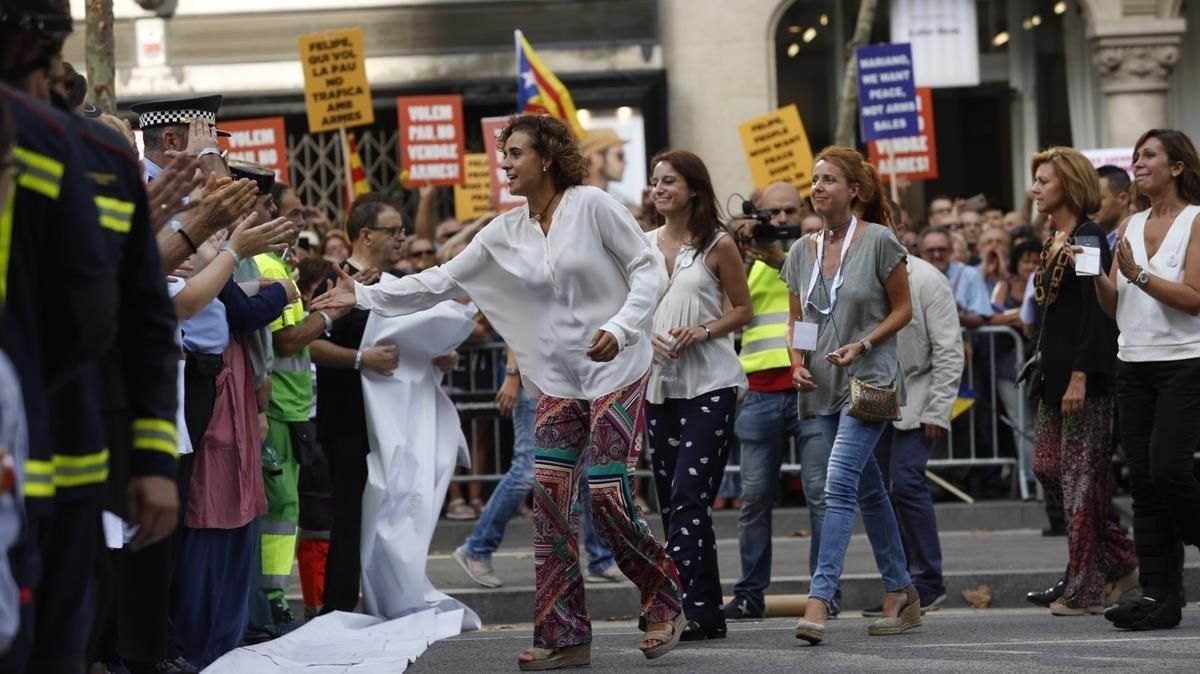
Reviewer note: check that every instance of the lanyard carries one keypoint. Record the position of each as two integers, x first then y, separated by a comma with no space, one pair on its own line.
837,278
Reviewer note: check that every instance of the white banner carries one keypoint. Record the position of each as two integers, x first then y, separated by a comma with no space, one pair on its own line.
944,38
1121,157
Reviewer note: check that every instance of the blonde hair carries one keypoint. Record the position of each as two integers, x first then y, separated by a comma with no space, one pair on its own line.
1081,183
870,203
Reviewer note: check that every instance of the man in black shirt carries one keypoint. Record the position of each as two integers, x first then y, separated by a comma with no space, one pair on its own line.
377,230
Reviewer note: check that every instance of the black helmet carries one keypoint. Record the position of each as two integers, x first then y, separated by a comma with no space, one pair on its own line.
50,19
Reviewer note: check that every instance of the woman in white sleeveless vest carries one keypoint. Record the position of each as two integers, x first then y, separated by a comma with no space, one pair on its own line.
692,394
1153,291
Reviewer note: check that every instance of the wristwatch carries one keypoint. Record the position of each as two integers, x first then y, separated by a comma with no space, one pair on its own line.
1141,279
866,344
511,372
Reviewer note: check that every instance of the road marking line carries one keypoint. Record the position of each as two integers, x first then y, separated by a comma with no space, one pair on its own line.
1051,642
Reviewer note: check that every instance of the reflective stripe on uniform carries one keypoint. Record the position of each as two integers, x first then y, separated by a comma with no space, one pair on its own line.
80,470
6,222
38,479
38,172
292,364
765,345
760,320
157,435
764,341
115,214
268,527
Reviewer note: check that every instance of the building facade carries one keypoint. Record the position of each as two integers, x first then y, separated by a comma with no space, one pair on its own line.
1089,73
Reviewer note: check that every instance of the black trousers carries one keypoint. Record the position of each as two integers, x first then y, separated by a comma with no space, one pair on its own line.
1160,430
689,446
347,454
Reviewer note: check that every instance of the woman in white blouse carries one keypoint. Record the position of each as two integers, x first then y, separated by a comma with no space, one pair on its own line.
569,282
693,392
1153,291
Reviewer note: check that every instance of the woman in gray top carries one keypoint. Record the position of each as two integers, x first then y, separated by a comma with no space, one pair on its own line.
849,280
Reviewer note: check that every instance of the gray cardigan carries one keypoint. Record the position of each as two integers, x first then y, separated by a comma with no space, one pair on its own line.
930,349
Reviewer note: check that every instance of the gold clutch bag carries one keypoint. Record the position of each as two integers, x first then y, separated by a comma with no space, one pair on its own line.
872,403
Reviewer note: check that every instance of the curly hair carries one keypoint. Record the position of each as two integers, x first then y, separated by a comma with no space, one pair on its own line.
553,140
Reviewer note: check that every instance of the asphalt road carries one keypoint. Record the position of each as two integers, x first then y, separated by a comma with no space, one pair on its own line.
957,640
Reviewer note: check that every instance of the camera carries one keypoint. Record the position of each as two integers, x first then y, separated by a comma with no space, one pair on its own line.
763,232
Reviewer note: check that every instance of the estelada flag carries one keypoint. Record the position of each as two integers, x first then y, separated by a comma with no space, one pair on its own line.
538,90
358,175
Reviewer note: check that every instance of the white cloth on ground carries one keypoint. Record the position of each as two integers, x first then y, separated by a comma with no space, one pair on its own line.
415,442
345,643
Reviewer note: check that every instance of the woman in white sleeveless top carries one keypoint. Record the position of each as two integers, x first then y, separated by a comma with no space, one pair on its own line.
1153,290
693,390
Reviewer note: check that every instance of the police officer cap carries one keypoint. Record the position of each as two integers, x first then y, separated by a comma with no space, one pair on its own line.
178,111
49,18
262,176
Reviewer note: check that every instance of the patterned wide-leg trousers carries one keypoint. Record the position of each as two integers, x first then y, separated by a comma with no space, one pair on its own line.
602,433
1072,458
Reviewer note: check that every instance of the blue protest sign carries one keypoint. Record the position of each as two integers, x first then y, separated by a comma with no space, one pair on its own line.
887,96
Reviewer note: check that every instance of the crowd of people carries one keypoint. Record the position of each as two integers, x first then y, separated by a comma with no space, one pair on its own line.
187,351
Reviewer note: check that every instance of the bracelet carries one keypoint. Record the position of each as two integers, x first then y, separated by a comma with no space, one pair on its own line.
358,359
707,333
228,248
511,372
328,322
210,150
188,240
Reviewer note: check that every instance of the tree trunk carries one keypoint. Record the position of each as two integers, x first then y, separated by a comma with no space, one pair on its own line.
848,107
101,67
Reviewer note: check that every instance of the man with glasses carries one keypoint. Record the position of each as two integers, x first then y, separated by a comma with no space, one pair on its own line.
970,291
941,211
421,255
377,229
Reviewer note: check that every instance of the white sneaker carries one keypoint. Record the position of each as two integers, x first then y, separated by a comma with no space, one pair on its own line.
479,571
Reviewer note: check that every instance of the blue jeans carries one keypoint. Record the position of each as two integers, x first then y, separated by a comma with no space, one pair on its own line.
902,456
763,426
512,490
854,480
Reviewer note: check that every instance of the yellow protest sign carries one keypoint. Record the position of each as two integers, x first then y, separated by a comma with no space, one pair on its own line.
777,149
472,199
335,80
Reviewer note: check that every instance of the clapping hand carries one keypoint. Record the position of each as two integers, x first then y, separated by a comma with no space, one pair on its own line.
166,193
339,296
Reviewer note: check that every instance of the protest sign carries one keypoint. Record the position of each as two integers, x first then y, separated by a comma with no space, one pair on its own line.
472,198
260,141
911,157
777,149
887,97
431,144
336,91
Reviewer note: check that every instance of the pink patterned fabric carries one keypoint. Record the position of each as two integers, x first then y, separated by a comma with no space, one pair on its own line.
605,432
1072,458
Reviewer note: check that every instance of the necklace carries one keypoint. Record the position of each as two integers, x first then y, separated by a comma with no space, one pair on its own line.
539,216
831,231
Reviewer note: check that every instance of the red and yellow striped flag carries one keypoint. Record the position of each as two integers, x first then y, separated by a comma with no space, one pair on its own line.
538,90
357,182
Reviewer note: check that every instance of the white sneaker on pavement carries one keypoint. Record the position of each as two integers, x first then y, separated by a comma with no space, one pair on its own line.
479,571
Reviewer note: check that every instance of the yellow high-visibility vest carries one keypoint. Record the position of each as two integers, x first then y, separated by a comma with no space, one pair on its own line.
764,340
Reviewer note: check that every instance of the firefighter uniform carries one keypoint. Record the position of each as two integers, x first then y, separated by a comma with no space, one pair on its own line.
123,404
59,315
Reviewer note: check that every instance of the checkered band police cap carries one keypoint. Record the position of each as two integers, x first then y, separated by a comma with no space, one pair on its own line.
161,117
177,111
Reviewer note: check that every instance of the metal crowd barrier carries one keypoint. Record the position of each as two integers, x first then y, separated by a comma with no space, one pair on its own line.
474,384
